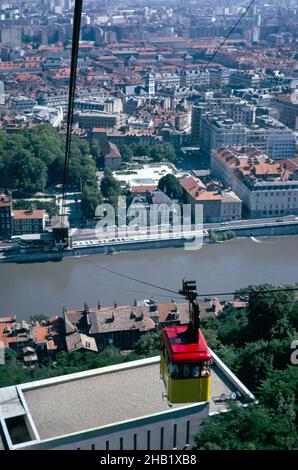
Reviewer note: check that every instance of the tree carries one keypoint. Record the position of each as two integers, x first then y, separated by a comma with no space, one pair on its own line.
148,345
109,186
164,151
233,329
96,153
28,174
44,143
254,428
126,153
34,158
267,310
171,186
169,152
142,149
280,383
91,198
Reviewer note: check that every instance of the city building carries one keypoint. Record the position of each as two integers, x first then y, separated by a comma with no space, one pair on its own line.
120,327
218,206
267,188
268,134
121,407
22,104
217,133
28,221
112,156
287,106
197,77
273,137
219,77
32,341
90,120
244,79
5,217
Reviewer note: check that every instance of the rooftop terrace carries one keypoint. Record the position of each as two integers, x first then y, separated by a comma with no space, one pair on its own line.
104,397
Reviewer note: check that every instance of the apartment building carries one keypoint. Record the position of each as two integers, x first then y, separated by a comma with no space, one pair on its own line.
272,137
235,109
221,133
287,106
28,221
245,79
199,77
22,104
5,217
269,135
219,76
266,187
112,156
218,206
91,120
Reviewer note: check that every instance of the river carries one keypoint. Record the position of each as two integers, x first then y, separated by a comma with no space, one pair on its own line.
44,288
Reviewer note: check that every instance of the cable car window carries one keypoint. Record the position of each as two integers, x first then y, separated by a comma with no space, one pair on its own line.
195,371
186,372
174,371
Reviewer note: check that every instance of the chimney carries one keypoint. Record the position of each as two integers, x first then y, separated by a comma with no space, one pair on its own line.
98,305
86,307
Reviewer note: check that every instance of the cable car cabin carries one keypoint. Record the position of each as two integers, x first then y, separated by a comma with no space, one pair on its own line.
185,365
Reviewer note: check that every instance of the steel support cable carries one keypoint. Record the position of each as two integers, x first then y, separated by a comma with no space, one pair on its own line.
219,47
72,88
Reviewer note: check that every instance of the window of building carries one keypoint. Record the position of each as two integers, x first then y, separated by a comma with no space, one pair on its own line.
175,436
148,440
161,438
187,432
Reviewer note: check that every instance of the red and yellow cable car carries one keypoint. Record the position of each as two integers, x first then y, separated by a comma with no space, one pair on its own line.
185,357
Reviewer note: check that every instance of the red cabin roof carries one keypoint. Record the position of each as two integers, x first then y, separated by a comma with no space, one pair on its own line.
179,351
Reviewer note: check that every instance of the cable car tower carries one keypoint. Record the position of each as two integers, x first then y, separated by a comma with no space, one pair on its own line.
185,356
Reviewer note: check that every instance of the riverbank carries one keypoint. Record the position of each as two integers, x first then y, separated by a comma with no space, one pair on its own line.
44,288
220,233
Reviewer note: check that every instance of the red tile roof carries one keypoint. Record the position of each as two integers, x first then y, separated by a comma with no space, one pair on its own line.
28,214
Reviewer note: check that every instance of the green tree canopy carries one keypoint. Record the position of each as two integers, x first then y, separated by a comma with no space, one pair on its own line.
33,158
28,174
109,186
268,313
126,153
148,345
254,428
170,185
91,198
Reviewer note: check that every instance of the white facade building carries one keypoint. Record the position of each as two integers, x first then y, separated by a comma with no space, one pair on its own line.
266,188
120,407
